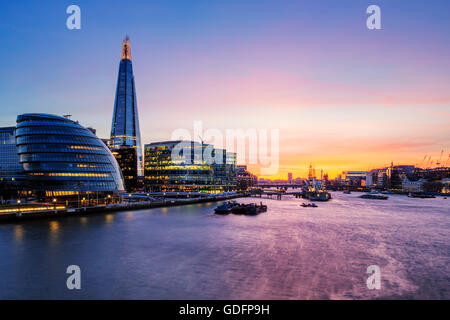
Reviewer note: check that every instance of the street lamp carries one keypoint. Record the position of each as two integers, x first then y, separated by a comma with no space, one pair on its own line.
18,205
54,204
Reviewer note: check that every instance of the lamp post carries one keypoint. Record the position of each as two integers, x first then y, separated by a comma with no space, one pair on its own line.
18,206
54,204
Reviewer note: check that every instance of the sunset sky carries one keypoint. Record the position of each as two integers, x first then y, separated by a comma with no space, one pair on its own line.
343,97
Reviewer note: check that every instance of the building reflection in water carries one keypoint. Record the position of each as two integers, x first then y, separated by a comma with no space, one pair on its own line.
129,215
109,218
54,232
19,232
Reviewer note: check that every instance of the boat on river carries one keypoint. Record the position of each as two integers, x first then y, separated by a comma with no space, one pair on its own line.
420,195
321,195
316,191
309,205
374,196
225,207
249,209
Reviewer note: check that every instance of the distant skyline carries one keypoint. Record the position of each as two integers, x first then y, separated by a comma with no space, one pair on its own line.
343,97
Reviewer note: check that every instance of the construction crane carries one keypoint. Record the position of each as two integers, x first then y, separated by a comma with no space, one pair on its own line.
423,161
438,163
428,162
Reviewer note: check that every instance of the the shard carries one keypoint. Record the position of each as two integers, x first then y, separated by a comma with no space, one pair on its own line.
125,134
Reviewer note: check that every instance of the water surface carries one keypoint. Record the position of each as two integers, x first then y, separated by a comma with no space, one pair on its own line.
187,252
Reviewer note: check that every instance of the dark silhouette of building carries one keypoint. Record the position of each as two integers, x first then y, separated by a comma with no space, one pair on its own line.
245,179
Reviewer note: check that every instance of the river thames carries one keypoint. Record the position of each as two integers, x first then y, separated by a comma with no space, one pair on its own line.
187,252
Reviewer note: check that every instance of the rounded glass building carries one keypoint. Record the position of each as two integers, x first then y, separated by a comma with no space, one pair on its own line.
60,157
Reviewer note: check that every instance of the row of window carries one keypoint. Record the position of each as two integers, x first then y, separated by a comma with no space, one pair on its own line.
65,157
60,185
67,166
59,148
59,139
69,174
52,130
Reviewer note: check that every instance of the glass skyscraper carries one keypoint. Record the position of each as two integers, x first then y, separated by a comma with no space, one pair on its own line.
125,134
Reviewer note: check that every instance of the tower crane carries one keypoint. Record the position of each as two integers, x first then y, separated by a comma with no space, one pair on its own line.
439,161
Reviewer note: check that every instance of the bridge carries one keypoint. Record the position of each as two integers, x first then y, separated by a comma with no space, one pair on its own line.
278,194
280,185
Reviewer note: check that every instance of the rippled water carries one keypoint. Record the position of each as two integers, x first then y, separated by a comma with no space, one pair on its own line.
187,252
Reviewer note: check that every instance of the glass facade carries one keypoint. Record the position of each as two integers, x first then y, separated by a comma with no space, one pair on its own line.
125,124
181,166
58,154
127,159
10,167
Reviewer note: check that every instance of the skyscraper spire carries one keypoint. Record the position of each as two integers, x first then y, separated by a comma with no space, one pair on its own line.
126,50
125,133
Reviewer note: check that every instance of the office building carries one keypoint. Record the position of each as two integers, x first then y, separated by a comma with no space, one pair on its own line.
188,166
11,170
245,179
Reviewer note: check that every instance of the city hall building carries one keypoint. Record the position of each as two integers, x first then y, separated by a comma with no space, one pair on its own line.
62,158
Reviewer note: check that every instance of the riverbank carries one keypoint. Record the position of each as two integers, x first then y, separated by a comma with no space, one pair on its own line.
59,212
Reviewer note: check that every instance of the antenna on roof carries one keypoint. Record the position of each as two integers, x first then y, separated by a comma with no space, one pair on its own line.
201,139
67,116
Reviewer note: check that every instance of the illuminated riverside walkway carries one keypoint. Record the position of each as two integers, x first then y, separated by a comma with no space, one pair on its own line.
13,213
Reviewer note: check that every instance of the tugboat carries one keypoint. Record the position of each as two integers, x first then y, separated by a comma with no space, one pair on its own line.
374,196
347,192
319,196
225,208
254,209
